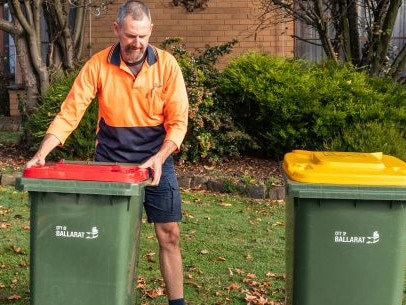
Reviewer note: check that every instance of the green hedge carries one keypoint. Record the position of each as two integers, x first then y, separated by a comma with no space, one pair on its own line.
211,132
263,105
287,104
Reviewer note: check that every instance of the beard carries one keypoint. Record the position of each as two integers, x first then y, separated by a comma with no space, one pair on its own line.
131,54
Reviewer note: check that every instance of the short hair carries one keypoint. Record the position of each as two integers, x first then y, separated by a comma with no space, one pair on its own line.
136,9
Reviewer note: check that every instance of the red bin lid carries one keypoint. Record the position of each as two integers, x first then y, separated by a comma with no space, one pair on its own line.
88,172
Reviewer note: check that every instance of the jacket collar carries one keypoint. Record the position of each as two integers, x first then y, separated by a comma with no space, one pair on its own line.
115,59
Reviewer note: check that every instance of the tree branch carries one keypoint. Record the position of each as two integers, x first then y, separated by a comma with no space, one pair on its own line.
9,27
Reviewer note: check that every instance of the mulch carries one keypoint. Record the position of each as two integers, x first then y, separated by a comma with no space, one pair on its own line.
244,167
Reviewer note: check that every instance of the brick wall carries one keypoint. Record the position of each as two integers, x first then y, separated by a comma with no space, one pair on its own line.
14,96
220,22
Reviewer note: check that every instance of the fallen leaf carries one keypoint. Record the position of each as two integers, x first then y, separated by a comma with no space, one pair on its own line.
154,293
5,225
225,204
278,223
233,286
221,259
14,297
262,301
195,269
150,256
4,210
250,298
209,167
140,283
23,265
249,257
193,284
17,249
188,215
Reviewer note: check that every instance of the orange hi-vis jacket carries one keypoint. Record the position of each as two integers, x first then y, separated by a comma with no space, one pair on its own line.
136,114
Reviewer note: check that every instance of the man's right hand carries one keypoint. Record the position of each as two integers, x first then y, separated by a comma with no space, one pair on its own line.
38,159
47,145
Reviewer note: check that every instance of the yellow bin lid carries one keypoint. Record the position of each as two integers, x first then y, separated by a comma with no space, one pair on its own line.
332,167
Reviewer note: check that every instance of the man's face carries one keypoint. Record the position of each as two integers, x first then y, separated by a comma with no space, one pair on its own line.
133,36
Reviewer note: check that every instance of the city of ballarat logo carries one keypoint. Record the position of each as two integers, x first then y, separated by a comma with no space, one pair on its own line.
344,237
64,232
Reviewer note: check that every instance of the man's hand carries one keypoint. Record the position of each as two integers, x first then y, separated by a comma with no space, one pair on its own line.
47,145
156,161
38,159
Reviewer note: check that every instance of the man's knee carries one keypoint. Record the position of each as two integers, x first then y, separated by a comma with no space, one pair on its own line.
168,234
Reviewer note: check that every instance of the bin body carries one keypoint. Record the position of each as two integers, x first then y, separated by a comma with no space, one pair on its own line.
84,239
345,243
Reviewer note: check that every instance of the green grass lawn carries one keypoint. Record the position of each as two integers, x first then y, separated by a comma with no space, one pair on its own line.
233,249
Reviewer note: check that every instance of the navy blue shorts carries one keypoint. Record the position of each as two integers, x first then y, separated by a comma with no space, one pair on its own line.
162,202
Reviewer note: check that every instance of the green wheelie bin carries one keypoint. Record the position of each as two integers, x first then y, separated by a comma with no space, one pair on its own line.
84,232
345,228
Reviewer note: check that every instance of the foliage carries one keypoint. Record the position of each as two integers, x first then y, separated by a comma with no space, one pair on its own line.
9,137
287,104
246,261
61,26
80,144
191,5
255,87
370,137
211,131
358,32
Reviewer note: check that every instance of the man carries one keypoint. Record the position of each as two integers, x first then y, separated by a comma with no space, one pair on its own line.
142,119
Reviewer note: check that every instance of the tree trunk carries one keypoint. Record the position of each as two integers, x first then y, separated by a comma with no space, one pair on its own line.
353,32
397,68
381,35
28,73
344,40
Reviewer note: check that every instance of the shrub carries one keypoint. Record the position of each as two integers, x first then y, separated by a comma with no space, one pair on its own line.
256,87
287,104
370,137
80,144
211,131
